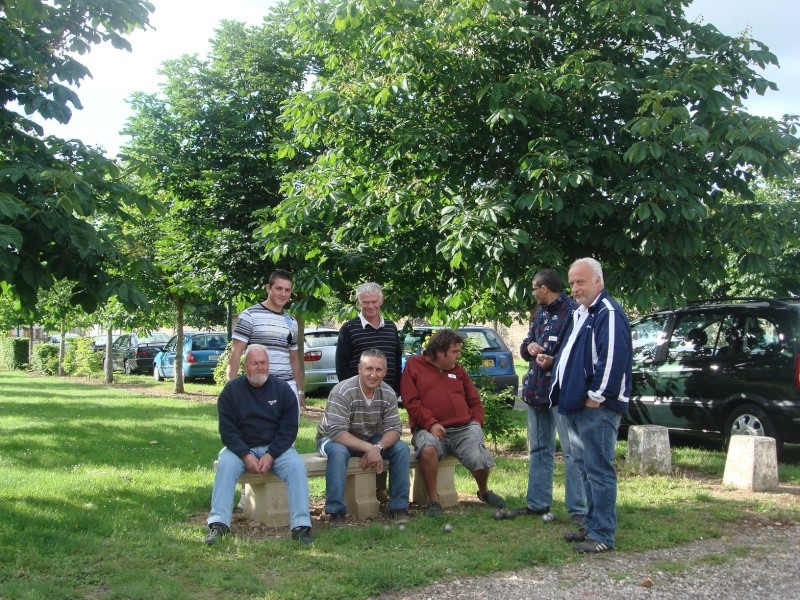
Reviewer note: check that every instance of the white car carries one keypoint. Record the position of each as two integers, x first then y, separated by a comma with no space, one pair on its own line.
319,358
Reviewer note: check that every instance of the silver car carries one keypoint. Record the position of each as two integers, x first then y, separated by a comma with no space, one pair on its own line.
320,359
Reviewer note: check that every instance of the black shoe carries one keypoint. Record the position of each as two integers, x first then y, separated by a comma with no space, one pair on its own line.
216,530
491,499
302,534
337,520
525,512
399,515
434,510
576,536
592,547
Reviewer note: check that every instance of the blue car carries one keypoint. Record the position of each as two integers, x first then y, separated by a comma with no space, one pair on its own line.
497,360
201,352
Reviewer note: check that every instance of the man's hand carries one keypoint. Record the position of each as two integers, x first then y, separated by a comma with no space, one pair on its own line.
591,403
534,349
372,459
544,361
265,463
251,464
438,431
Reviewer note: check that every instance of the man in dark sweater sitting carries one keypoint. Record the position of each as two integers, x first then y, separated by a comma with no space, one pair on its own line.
258,423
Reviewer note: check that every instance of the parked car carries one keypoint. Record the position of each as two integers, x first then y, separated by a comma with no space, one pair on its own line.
719,369
497,360
99,341
133,353
56,339
201,352
319,358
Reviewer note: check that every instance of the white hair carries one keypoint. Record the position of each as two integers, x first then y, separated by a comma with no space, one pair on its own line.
369,287
597,269
252,347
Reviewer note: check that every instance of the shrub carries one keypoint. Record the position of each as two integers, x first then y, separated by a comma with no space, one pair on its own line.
221,370
83,360
14,352
45,358
498,422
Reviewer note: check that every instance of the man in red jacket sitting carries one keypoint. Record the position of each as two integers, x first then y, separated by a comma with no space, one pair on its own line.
446,416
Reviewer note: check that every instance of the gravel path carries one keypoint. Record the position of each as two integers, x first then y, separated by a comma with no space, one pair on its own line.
759,563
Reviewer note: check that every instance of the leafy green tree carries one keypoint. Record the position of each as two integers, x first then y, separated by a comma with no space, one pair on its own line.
203,148
460,145
56,312
764,261
55,195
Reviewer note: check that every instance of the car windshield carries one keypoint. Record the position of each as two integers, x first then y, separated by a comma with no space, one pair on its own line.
209,342
321,338
483,339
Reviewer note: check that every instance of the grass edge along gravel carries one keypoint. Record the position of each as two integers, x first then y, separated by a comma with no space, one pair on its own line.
104,494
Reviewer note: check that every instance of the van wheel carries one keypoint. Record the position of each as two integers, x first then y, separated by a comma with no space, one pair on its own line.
128,370
156,375
749,419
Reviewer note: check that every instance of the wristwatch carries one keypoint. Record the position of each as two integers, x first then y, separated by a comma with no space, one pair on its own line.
379,446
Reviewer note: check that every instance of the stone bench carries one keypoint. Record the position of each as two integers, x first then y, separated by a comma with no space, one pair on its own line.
266,499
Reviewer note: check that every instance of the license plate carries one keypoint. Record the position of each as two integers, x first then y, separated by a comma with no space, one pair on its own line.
331,377
487,362
214,357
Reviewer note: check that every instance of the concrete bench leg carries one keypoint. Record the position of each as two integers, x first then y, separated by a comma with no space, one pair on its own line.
267,503
649,450
359,495
445,485
752,464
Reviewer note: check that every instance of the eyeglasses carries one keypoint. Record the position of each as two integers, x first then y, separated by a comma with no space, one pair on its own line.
537,288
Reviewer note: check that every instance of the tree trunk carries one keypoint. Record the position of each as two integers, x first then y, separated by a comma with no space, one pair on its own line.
61,343
109,366
301,329
179,306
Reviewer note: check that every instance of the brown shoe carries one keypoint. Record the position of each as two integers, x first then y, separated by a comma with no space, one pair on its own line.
337,520
576,536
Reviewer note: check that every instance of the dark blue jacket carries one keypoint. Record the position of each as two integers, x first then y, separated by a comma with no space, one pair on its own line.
258,416
600,360
547,329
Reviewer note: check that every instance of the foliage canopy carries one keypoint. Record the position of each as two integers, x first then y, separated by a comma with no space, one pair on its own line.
58,199
461,145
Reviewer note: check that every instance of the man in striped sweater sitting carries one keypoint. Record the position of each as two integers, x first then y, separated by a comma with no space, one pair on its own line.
361,419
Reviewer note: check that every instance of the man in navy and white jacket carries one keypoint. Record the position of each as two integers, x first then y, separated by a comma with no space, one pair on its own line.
592,385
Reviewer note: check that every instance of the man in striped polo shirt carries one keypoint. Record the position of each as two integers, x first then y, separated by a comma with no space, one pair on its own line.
361,419
267,324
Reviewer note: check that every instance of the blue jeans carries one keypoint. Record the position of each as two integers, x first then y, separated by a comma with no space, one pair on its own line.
593,437
336,473
542,426
288,466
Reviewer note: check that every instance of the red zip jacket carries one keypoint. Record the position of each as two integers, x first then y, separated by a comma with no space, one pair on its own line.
433,396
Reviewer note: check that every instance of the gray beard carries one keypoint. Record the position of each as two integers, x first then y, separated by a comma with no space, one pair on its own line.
257,380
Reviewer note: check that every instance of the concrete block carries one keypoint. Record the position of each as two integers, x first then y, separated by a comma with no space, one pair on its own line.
752,464
648,449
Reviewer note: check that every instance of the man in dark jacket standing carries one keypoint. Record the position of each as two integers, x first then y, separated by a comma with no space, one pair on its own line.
258,423
591,384
539,348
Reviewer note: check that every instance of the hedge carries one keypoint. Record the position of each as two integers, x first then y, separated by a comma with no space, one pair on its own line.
14,352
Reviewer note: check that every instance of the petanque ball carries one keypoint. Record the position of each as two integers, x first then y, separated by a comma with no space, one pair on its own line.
499,515
548,517
448,528
402,527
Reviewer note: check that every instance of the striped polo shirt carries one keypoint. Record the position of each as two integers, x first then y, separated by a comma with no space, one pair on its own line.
276,331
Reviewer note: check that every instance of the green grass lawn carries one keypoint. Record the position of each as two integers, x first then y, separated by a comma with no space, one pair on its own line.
104,493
